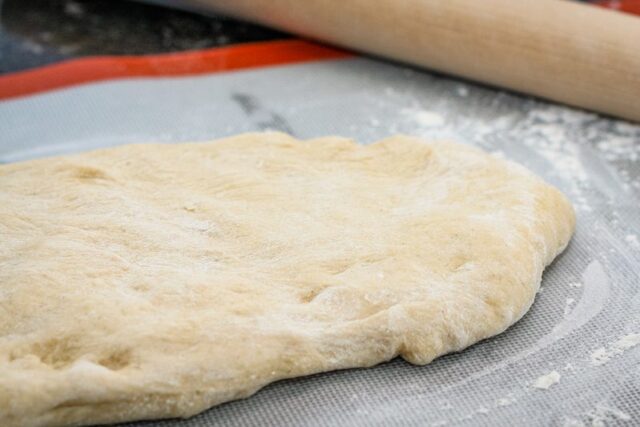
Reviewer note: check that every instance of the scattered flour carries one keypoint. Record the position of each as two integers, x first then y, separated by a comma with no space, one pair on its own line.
601,416
567,307
575,285
462,91
423,118
600,356
569,140
595,294
571,422
621,148
505,401
549,132
603,355
546,381
633,240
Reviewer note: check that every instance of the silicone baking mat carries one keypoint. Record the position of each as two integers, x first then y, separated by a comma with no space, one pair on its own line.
581,339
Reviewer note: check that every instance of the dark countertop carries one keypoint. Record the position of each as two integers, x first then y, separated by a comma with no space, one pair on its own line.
39,32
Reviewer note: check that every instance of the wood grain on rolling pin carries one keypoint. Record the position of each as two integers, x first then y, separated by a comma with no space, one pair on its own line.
568,52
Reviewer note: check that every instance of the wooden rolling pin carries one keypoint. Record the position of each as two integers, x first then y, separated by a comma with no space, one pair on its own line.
581,55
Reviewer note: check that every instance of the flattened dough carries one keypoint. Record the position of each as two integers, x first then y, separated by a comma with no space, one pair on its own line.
150,281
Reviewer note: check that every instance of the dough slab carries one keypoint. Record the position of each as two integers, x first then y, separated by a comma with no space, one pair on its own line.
157,280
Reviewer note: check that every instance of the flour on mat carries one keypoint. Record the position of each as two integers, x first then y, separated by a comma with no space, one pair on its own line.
621,148
601,416
562,136
571,422
633,240
462,91
505,401
545,381
423,118
567,306
549,132
603,355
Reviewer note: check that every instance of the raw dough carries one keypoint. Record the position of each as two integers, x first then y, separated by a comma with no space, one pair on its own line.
150,281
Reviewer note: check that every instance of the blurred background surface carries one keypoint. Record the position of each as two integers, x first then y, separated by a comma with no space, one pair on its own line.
39,32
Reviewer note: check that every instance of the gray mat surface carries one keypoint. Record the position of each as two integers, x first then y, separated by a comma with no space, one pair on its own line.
584,322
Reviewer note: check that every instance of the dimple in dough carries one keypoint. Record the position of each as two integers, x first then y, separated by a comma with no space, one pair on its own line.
153,281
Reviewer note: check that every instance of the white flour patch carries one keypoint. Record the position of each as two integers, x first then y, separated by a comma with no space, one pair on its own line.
505,401
570,422
544,382
567,306
601,416
621,148
548,132
603,355
575,285
480,411
632,239
423,118
462,91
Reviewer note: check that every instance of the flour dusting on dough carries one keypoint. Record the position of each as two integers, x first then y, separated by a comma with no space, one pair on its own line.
233,264
594,295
